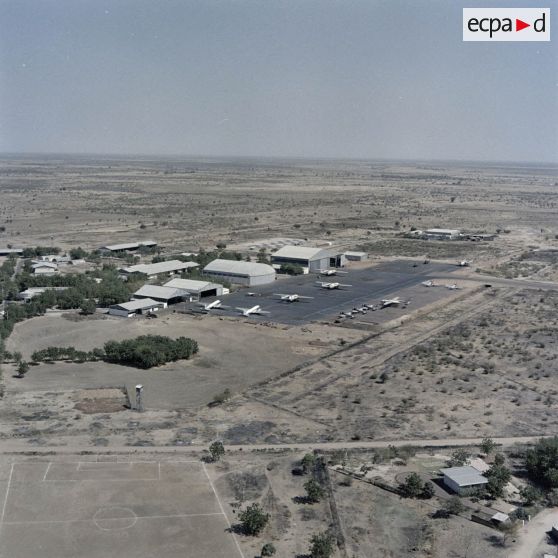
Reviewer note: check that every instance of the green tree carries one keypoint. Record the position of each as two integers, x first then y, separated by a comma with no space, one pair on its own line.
321,545
529,494
308,462
22,368
253,519
88,307
487,445
412,487
314,492
427,491
268,549
217,450
541,462
459,457
454,506
498,477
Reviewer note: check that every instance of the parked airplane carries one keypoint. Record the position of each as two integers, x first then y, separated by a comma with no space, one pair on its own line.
215,305
463,263
332,272
254,310
453,287
325,285
393,302
429,283
292,297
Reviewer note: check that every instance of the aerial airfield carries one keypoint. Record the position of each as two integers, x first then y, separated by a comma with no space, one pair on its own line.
314,324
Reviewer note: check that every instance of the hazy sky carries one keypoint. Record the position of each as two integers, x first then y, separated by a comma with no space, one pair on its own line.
345,78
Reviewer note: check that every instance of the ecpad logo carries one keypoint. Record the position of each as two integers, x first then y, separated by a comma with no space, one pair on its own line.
506,24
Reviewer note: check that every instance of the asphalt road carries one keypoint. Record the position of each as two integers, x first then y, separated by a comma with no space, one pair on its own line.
368,286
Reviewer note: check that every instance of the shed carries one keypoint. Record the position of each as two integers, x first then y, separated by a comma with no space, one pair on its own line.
356,256
164,295
463,480
129,309
169,267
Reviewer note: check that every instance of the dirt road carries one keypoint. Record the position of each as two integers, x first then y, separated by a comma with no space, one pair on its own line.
533,534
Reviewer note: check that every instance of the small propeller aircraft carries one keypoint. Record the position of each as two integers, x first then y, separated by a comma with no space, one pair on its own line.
452,287
393,302
254,310
463,263
292,297
215,305
332,272
429,283
325,285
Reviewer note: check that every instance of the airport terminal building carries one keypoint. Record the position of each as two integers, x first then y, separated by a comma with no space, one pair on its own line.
248,274
312,260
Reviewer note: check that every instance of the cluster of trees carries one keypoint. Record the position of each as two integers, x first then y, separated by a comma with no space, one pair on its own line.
147,351
39,251
415,487
66,353
541,462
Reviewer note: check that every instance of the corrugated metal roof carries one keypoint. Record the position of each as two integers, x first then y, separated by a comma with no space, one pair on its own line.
464,476
302,253
442,231
160,267
235,267
129,245
155,291
134,305
191,285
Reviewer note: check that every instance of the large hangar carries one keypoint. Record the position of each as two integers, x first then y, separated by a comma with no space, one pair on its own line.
196,289
309,258
240,273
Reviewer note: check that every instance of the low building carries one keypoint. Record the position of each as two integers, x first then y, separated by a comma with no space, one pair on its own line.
160,268
55,258
128,246
44,268
356,256
129,309
164,295
32,292
311,259
463,480
240,273
490,518
10,251
197,289
442,234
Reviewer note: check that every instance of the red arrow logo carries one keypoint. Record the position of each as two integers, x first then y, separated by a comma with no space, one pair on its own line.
519,25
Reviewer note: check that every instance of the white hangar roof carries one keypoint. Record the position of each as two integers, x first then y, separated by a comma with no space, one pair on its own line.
234,267
155,291
134,305
191,285
302,253
160,267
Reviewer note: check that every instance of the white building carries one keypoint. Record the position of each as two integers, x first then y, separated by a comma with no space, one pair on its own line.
442,234
240,273
463,480
356,256
129,309
309,258
128,246
44,268
32,292
160,268
197,289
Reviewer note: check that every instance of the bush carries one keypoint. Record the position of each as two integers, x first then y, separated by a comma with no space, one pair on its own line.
253,519
268,549
321,545
217,450
291,269
412,487
314,492
88,307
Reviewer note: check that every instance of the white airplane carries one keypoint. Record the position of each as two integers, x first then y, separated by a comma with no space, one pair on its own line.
215,305
292,297
332,272
325,285
429,283
463,263
254,310
346,315
392,302
452,287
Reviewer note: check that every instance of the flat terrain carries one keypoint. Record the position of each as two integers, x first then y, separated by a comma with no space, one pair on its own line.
112,510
